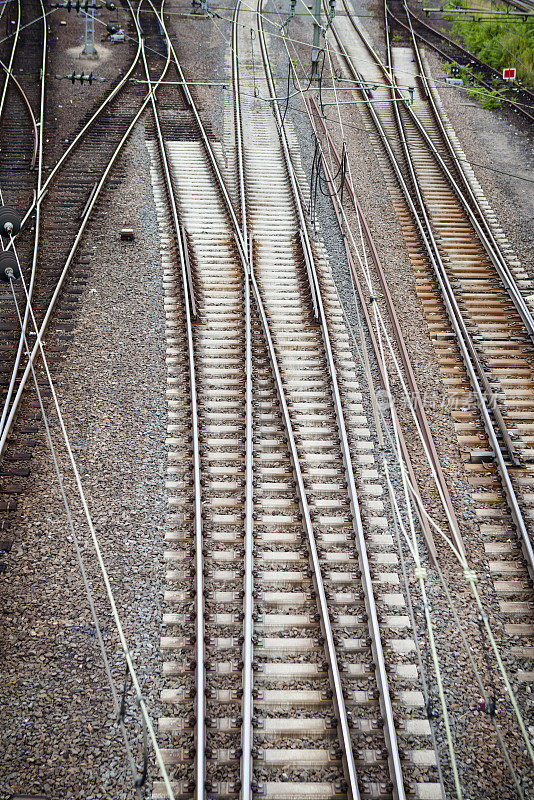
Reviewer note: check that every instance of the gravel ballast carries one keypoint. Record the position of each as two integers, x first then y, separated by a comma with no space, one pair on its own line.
58,733
59,737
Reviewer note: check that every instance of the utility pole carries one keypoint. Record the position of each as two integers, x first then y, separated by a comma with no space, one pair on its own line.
89,48
316,38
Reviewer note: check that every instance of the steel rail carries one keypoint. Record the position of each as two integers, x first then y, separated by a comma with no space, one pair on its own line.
39,147
394,759
225,195
397,332
520,6
473,356
447,290
79,136
518,106
456,322
513,503
486,235
339,702
247,704
246,254
8,413
200,651
245,251
479,223
11,59
44,324
9,74
455,310
39,344
244,246
473,208
247,707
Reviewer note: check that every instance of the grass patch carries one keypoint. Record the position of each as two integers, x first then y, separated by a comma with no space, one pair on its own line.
504,42
488,98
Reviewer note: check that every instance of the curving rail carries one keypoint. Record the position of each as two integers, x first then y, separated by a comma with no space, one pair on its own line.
464,340
38,154
374,628
43,186
87,214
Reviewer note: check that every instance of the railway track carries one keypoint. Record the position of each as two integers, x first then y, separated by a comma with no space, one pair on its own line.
56,207
279,685
290,663
519,98
21,170
467,302
453,204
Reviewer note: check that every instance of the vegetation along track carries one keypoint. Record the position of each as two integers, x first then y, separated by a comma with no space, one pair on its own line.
281,681
478,303
519,98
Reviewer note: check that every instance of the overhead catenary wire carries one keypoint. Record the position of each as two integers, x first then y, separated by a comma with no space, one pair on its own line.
420,572
381,424
444,585
38,347
486,622
96,546
39,144
352,126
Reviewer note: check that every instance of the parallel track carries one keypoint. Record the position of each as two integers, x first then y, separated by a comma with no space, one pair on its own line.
519,98
407,135
54,221
300,542
281,686
470,315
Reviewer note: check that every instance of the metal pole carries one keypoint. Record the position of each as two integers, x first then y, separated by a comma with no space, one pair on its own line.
316,38
89,48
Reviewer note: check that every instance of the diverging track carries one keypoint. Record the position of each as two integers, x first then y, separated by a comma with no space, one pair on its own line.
282,682
478,304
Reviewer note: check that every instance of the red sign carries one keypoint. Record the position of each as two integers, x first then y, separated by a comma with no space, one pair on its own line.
509,74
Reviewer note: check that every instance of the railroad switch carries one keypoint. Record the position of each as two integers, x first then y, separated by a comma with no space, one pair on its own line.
127,233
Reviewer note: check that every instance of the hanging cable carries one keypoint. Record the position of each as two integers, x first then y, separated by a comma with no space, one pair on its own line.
81,564
493,644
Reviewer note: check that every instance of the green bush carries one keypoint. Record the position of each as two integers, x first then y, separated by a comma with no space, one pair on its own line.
504,42
488,98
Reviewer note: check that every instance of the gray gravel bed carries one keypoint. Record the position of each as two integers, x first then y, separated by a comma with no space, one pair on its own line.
59,737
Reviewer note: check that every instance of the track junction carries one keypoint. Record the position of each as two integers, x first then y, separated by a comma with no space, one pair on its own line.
302,653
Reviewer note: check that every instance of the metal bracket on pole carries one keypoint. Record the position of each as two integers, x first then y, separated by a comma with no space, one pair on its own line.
331,15
316,37
291,14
